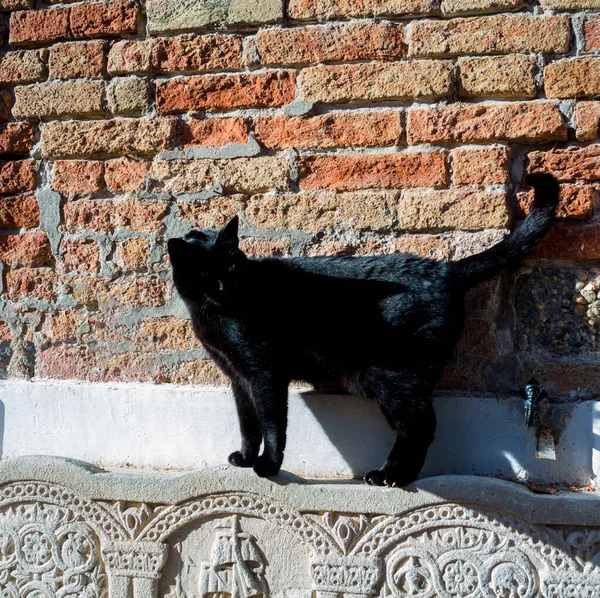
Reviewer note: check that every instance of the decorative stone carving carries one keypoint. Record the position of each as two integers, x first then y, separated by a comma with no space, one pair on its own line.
203,537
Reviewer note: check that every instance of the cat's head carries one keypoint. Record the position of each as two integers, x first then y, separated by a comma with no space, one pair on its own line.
206,263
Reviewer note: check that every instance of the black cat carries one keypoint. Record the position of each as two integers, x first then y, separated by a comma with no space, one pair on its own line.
381,327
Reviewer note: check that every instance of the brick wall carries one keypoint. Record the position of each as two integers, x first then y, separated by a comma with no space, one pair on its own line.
333,126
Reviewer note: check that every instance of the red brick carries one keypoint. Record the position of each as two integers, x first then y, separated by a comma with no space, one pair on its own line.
587,115
29,250
385,171
331,43
130,57
524,122
6,104
30,283
569,243
77,61
79,256
77,176
592,35
576,202
16,139
335,129
486,166
198,53
569,165
214,132
125,175
39,26
104,19
17,176
226,92
21,211
24,66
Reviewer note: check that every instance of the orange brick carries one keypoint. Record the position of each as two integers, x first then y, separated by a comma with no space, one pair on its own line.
77,176
576,202
570,165
385,171
576,78
39,26
130,57
104,19
592,35
16,139
30,283
24,66
77,61
486,166
125,175
17,177
29,250
330,9
214,132
79,256
587,115
21,211
134,254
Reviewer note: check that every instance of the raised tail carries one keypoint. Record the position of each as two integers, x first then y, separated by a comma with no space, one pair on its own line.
515,247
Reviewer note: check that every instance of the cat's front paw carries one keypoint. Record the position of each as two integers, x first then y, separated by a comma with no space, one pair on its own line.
239,460
265,467
390,476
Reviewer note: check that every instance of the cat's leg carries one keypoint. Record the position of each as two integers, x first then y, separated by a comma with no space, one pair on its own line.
249,428
270,399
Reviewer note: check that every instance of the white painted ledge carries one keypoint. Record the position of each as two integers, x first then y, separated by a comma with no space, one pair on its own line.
166,428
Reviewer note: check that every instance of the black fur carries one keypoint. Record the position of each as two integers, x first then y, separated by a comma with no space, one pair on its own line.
381,327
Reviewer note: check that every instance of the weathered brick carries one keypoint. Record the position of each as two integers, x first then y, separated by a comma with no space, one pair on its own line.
134,291
569,243
568,165
64,362
499,34
29,250
591,30
316,211
30,283
130,57
525,122
335,129
577,78
24,66
6,5
243,175
331,43
587,115
108,215
77,61
77,176
108,138
461,7
165,17
486,166
104,19
21,211
39,26
63,326
569,4
6,104
129,95
576,202
16,139
124,175
214,132
385,171
257,247
330,9
68,98
377,81
17,176
198,53
226,92
133,254
159,334
200,371
498,76
456,208
214,213
79,256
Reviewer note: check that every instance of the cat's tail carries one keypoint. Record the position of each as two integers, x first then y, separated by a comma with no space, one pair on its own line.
515,247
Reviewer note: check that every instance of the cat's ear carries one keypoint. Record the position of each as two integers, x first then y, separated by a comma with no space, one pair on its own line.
177,248
229,234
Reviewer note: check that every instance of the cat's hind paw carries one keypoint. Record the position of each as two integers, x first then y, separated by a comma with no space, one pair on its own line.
392,476
265,467
239,460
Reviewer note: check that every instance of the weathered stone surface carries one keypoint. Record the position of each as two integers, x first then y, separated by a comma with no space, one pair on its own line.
129,95
25,66
133,254
21,211
321,210
331,43
18,176
164,16
79,256
467,123
576,202
213,213
577,78
39,26
226,92
104,19
243,175
377,81
30,283
330,9
69,98
461,208
384,171
16,139
125,174
77,61
498,76
459,7
335,129
78,176
502,34
214,132
130,56
110,138
486,166
587,115
28,250
568,165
